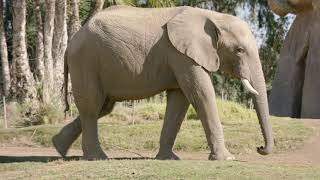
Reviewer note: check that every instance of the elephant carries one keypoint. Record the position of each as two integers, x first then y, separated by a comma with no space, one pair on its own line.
284,7
128,53
295,89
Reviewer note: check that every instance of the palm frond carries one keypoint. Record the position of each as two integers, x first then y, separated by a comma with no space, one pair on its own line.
121,2
160,3
127,2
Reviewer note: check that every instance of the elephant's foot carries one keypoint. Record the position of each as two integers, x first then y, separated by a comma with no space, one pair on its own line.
167,156
94,155
222,155
67,135
60,145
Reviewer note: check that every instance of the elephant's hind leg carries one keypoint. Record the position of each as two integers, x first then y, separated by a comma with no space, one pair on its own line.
66,136
69,133
90,142
177,106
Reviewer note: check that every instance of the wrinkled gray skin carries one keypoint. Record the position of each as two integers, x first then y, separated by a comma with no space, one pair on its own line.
295,88
126,53
284,7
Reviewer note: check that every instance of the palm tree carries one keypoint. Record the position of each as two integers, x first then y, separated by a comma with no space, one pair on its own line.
146,3
59,43
96,6
39,68
22,87
74,18
48,61
4,54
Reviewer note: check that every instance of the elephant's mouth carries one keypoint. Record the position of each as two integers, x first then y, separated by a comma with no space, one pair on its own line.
248,86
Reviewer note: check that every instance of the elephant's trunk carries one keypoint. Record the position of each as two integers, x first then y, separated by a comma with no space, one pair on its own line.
261,105
280,7
283,7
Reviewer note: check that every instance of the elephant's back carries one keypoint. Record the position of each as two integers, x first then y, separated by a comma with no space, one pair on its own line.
127,15
126,23
125,48
125,36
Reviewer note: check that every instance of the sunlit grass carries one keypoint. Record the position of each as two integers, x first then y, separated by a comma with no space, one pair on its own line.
139,129
151,169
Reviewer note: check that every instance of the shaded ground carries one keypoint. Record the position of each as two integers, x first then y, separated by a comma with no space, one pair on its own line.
308,154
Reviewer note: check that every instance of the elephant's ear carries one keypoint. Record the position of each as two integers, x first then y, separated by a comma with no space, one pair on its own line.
192,33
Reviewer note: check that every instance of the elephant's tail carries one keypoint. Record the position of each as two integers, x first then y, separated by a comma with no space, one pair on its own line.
66,77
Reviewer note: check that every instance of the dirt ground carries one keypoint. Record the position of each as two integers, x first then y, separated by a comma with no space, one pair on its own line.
308,154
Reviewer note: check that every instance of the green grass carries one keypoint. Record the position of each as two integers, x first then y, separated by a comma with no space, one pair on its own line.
241,129
152,169
138,129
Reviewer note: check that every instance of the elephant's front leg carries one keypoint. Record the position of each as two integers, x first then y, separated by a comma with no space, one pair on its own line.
177,106
197,86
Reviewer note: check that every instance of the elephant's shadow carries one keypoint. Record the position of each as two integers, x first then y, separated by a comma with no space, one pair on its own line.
15,159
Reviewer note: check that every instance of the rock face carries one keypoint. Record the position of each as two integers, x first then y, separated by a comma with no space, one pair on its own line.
296,88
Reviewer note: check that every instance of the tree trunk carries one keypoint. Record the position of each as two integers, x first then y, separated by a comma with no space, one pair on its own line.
74,18
60,39
39,41
48,62
4,54
96,6
23,83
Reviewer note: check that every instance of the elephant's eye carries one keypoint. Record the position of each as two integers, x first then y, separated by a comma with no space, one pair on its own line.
239,50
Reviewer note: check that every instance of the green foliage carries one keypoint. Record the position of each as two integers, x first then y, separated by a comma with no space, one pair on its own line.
269,52
31,33
160,3
191,114
84,10
152,111
30,113
50,113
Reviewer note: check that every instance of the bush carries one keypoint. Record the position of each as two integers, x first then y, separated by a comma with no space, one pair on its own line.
31,113
192,114
151,111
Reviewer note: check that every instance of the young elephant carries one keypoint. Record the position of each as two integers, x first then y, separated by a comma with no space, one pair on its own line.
126,53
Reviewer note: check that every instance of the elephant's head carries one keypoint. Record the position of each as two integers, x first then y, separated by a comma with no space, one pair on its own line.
216,40
283,7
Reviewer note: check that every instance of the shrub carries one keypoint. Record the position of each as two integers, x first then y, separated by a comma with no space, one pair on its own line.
30,113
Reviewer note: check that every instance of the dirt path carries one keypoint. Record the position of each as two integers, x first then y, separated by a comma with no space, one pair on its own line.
308,154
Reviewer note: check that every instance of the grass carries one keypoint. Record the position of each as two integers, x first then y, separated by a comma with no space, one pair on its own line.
139,129
152,169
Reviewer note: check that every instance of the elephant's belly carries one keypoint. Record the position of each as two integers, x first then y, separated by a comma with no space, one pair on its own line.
138,87
122,95
130,92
